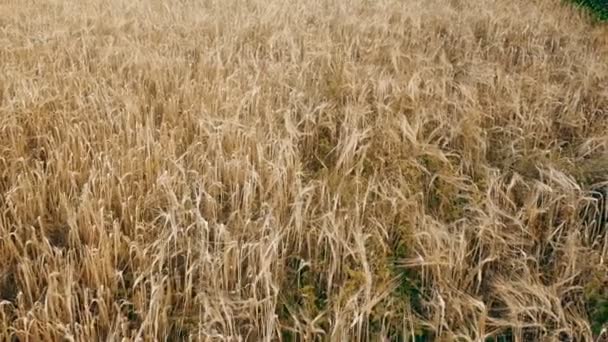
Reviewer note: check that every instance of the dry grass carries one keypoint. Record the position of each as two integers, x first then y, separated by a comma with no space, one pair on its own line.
302,170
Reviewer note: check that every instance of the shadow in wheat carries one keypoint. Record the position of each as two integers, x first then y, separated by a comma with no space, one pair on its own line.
595,215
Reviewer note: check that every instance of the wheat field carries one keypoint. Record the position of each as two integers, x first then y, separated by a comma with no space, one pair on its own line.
320,170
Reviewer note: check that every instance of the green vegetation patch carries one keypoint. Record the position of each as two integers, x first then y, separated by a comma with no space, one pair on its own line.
596,295
598,7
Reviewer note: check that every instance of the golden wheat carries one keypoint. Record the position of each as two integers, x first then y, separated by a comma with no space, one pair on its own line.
261,170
